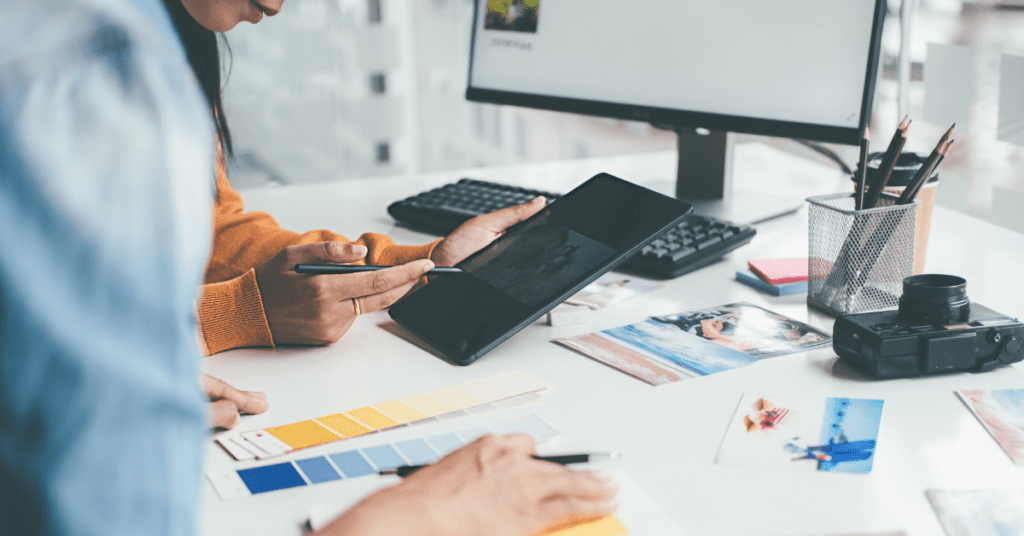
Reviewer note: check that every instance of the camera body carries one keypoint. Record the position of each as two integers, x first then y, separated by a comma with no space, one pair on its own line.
936,329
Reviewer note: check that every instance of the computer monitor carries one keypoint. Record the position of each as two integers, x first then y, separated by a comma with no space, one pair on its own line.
801,69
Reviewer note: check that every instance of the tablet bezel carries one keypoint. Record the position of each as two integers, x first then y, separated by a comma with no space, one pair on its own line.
412,311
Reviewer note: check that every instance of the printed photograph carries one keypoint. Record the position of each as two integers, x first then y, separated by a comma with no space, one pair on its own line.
750,329
996,512
610,289
656,353
802,433
512,15
1001,412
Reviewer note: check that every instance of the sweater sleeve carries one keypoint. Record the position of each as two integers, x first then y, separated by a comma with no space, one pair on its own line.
230,310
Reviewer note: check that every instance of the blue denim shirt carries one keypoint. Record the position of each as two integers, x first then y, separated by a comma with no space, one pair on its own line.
105,227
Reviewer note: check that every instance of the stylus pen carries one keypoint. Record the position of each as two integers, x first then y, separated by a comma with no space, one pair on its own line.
356,268
563,459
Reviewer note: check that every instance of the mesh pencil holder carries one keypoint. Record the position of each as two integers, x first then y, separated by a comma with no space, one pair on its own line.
858,258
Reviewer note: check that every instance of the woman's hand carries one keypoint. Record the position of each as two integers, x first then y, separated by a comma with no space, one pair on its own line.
492,487
226,402
475,234
319,309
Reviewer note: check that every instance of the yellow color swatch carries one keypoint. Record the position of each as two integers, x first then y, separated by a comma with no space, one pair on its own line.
606,526
303,434
427,404
401,412
454,398
371,417
343,425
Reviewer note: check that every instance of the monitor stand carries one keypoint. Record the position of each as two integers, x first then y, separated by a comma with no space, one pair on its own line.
704,179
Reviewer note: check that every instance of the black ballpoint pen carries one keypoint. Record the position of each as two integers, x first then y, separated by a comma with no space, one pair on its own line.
563,459
358,268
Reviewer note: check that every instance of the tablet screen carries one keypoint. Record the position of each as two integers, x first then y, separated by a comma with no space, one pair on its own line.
535,261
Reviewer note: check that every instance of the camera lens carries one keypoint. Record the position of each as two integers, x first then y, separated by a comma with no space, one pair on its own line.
934,299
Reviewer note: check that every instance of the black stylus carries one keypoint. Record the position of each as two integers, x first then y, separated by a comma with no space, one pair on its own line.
563,459
356,268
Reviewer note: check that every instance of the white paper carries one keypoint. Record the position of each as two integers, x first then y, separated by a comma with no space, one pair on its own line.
228,485
236,450
1011,99
266,442
948,85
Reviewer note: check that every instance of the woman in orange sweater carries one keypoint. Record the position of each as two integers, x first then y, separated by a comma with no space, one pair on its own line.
252,297
492,486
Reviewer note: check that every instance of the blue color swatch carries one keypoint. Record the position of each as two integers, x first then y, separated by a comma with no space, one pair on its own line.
271,477
318,470
473,434
445,443
384,457
352,463
417,451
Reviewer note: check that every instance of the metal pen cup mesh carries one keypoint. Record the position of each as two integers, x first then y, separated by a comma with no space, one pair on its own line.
857,260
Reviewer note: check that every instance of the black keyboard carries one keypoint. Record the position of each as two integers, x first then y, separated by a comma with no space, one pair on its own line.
696,242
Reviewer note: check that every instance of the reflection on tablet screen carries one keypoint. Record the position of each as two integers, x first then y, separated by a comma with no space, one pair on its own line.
537,260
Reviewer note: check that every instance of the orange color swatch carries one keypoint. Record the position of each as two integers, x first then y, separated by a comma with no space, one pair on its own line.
303,434
372,418
343,425
606,526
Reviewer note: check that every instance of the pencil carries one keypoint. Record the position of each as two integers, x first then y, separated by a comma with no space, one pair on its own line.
885,167
862,171
356,268
925,173
564,459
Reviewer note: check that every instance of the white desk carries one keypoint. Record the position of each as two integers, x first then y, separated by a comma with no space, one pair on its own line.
669,434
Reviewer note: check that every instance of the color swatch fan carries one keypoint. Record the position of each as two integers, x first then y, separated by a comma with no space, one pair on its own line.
493,392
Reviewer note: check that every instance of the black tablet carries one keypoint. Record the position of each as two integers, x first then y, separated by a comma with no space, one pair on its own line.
536,265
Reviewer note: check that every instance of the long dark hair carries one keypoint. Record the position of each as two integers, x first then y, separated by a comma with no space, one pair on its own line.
204,57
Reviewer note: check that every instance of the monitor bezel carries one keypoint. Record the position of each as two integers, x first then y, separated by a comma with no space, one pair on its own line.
691,119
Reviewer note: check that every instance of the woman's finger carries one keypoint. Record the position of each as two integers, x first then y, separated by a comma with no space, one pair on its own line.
223,414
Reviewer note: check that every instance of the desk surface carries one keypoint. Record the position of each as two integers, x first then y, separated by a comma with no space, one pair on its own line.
669,435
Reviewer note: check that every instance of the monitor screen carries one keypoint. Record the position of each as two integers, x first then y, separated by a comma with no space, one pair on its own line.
797,68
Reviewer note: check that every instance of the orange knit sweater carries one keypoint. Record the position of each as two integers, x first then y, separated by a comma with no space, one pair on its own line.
230,308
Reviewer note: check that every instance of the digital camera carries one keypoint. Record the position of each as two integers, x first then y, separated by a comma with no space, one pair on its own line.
936,329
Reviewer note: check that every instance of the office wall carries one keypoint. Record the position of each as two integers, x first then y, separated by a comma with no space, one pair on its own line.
331,89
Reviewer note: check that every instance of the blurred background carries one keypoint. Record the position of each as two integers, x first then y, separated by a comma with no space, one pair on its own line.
335,89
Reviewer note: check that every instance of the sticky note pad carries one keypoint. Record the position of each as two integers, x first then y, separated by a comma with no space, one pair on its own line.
384,457
779,271
399,411
343,425
271,477
372,418
318,470
417,451
303,434
352,463
606,526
